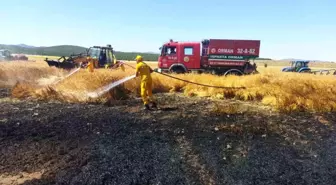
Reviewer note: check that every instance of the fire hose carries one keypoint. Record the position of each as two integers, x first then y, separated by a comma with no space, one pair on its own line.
106,88
191,82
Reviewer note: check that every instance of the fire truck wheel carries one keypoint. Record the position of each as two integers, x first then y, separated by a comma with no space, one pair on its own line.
177,70
233,72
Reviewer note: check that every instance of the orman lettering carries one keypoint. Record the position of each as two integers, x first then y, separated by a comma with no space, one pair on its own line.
225,50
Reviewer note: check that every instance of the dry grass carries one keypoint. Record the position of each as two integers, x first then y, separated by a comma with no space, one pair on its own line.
282,91
12,72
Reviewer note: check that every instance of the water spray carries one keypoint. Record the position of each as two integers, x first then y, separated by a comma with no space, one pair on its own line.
108,87
71,73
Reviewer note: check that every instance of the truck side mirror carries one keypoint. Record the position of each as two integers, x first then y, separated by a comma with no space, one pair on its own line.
163,53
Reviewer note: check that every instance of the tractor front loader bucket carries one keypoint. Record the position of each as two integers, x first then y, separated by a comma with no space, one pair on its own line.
69,63
63,65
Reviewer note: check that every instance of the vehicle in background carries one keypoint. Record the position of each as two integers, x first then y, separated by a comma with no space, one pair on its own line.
216,56
302,66
5,55
103,57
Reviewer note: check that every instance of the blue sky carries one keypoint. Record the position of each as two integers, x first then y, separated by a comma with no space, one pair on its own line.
287,29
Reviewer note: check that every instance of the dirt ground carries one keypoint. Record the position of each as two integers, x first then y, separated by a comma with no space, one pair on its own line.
189,141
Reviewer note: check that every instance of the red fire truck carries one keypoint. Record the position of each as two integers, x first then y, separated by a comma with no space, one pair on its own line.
216,56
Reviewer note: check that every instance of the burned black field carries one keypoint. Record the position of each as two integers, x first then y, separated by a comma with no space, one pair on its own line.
189,141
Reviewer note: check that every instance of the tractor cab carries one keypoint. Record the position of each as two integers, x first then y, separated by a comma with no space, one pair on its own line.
104,55
297,66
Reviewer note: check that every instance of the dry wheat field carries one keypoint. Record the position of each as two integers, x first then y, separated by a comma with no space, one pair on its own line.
281,91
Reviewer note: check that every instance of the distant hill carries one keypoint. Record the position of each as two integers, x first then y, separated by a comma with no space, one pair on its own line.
25,46
294,59
263,59
66,50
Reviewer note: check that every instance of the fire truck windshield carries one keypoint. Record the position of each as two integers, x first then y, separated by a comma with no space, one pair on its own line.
168,50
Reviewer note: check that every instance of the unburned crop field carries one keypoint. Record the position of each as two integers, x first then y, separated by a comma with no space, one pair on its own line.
279,130
284,92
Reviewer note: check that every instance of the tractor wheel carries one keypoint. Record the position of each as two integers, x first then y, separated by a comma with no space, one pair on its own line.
305,71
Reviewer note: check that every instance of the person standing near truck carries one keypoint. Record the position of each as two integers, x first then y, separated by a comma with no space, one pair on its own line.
90,65
144,71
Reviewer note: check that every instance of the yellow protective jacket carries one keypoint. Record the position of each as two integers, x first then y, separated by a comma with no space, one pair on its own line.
144,71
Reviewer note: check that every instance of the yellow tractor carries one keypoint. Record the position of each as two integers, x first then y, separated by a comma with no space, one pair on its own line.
102,57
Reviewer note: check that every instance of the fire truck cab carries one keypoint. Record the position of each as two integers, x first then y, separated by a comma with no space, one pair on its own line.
180,57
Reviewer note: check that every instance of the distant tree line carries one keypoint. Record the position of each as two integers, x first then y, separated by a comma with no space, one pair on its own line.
66,50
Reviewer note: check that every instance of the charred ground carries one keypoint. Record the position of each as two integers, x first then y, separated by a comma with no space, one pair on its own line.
190,141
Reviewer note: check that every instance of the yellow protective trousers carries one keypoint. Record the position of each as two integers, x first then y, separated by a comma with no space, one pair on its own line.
146,91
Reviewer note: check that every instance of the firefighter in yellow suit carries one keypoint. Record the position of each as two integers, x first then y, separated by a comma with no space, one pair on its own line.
144,71
90,65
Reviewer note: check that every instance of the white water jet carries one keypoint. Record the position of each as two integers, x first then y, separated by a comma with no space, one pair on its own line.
106,88
71,73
